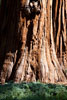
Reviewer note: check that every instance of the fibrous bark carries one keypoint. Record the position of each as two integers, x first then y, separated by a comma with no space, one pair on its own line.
33,40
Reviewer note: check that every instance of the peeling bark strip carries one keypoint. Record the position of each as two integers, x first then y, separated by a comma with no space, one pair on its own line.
33,40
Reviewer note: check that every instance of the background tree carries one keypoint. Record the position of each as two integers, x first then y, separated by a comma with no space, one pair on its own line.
33,40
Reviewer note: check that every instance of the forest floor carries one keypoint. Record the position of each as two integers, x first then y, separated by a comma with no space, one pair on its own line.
32,91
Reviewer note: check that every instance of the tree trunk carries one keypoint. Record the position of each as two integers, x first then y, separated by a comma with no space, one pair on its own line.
33,40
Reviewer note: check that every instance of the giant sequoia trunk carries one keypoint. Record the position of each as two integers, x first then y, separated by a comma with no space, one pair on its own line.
33,40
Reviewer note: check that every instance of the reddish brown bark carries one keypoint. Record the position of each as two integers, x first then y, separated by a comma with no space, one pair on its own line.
33,42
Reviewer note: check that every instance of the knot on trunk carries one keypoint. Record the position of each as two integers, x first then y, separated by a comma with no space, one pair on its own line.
31,7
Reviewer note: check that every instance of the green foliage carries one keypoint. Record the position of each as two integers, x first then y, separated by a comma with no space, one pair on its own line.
32,91
66,71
